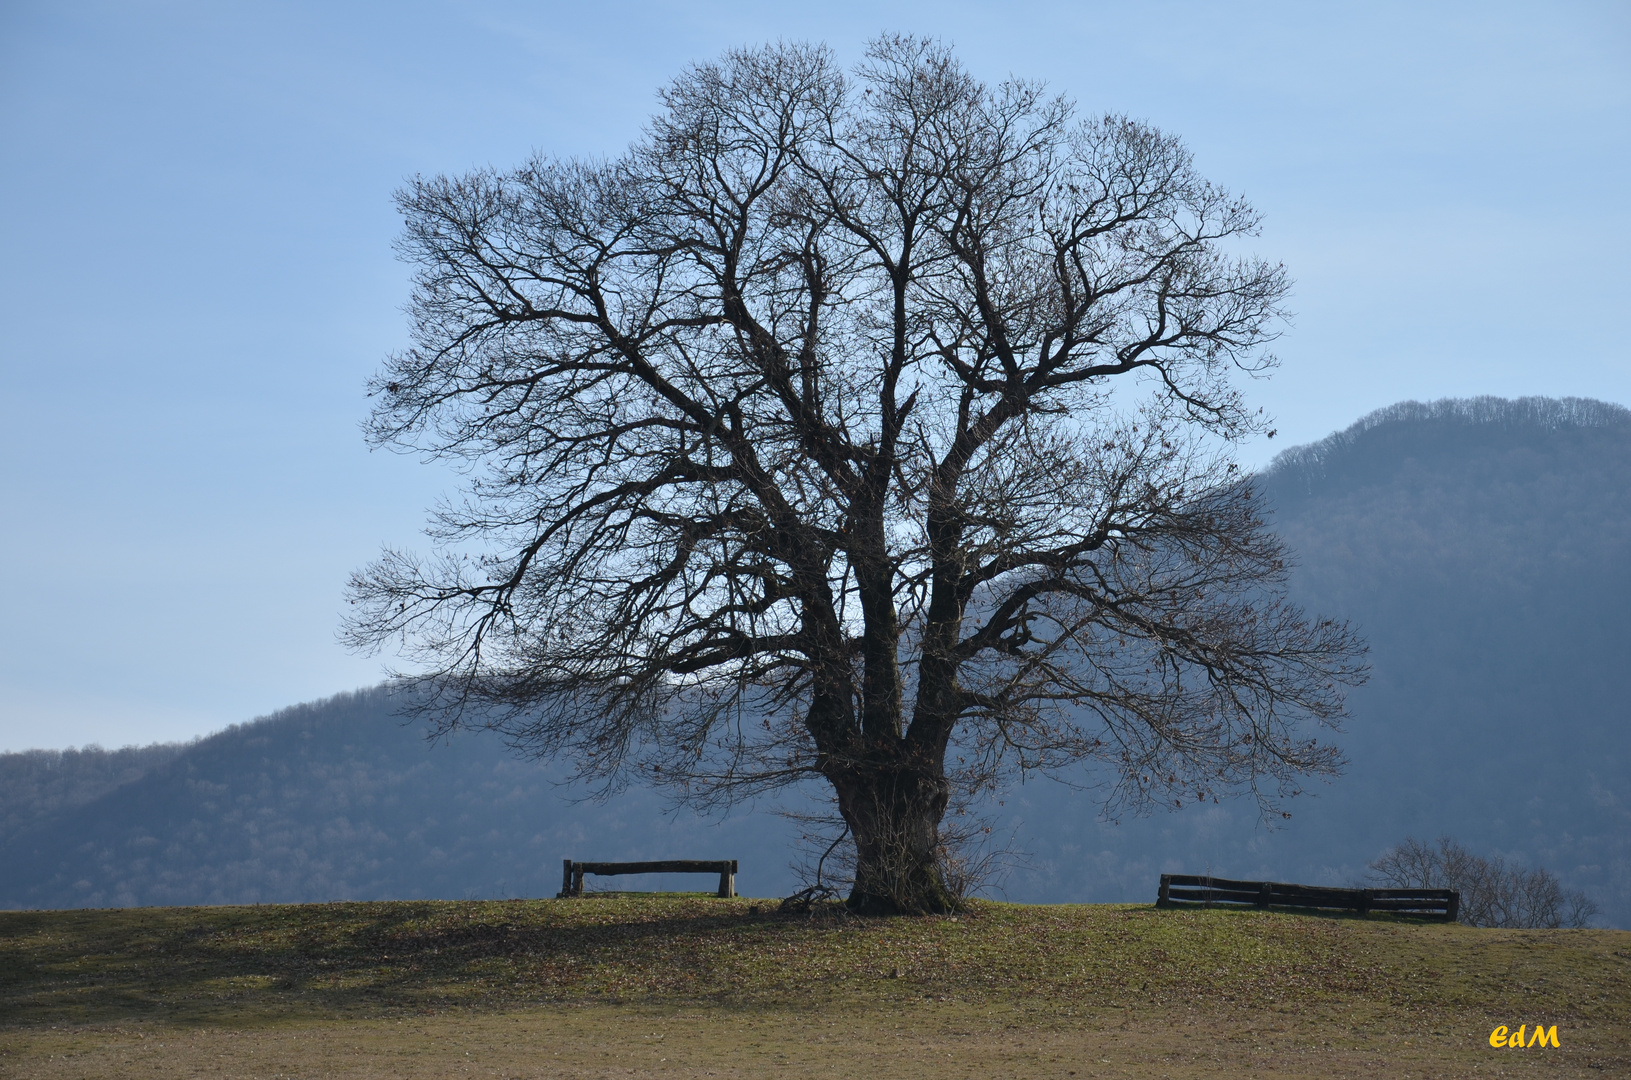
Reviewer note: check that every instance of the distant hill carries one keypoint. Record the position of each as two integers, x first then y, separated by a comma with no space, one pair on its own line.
338,800
37,784
1483,547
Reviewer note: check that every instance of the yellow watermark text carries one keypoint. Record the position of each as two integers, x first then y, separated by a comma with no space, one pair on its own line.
1541,1036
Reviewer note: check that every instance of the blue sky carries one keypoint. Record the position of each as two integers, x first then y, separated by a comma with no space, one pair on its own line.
196,273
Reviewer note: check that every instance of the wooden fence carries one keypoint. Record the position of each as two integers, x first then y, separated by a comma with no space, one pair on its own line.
1184,890
572,872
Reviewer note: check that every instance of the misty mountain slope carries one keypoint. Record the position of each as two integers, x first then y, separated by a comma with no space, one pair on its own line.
1483,547
338,800
1484,550
36,784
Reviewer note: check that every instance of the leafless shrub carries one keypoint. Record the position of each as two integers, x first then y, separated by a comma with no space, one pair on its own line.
1492,892
825,878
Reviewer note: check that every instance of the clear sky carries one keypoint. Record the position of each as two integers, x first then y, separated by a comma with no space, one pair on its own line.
196,272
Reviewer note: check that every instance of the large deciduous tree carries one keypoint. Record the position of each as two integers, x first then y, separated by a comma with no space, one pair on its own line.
866,427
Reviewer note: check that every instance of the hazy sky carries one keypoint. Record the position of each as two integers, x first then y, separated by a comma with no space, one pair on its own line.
197,273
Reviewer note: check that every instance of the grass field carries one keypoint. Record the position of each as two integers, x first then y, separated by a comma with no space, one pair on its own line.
694,986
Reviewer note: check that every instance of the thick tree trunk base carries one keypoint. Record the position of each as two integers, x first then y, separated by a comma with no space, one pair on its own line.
936,901
894,815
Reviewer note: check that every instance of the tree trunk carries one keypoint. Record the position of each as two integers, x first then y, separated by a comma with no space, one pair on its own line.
894,814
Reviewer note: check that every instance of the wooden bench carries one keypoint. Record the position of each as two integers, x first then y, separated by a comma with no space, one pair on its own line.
572,872
1185,890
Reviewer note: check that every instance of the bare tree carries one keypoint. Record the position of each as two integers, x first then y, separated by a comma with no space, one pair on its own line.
1492,893
871,428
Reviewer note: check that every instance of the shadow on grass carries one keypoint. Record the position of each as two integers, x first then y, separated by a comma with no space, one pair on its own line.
1402,917
243,965
99,964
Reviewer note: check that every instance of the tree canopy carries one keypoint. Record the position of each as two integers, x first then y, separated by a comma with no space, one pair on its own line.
871,427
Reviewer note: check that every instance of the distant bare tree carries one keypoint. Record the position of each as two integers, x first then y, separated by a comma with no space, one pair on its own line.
865,428
1492,893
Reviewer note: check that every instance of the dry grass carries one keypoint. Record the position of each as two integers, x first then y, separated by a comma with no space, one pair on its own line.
681,985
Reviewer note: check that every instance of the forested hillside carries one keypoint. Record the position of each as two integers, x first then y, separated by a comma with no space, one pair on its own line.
339,800
1483,547
39,783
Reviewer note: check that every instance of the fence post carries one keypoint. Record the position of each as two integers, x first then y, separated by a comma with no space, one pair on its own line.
1454,909
1365,896
577,880
1263,894
566,877
1162,899
727,881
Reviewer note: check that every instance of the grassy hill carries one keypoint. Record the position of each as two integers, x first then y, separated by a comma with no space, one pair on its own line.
605,985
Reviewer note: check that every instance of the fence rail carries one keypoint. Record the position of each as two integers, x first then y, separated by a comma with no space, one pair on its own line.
572,872
1185,890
